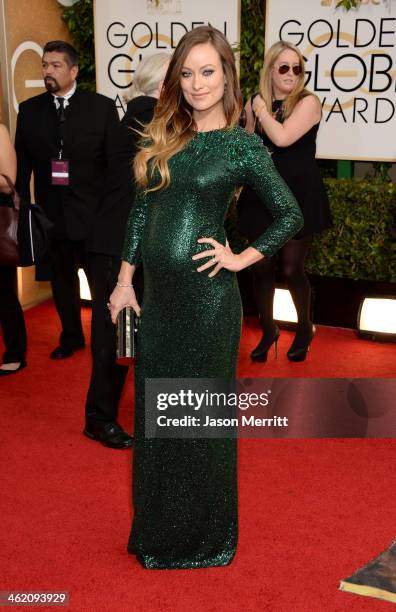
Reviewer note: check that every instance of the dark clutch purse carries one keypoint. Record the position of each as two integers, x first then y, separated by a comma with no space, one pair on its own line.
127,335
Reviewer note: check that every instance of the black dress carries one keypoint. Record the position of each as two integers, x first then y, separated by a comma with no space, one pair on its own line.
12,322
297,166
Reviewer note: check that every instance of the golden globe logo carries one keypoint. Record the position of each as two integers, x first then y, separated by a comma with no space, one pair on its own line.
127,43
350,65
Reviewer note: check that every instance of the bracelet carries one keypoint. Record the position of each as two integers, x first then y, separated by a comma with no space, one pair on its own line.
122,285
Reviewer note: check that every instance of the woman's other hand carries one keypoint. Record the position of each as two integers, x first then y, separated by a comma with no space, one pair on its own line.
119,299
258,105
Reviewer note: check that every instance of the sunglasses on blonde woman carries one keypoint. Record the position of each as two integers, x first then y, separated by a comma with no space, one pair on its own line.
284,69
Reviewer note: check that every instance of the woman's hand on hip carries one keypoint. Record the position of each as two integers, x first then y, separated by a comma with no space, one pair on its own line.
220,257
119,299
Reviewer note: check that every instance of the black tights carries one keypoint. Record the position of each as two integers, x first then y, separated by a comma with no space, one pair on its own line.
292,257
11,317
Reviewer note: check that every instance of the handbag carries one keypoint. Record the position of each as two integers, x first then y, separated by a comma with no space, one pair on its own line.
9,218
25,229
127,335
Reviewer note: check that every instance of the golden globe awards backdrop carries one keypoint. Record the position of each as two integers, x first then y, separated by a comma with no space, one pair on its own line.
126,31
351,66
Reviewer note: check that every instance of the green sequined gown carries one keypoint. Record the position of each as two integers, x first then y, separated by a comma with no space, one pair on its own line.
185,491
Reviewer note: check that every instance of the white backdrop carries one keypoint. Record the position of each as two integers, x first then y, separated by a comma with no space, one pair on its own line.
351,66
127,30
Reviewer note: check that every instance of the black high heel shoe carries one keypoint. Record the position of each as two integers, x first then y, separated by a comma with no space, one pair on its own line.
261,351
298,350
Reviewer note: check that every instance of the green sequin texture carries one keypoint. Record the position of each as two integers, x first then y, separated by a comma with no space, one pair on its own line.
185,491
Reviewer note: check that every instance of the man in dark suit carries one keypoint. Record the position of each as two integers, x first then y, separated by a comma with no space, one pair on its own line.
65,137
105,249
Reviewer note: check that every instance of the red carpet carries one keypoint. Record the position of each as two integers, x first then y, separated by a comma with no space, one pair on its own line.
311,511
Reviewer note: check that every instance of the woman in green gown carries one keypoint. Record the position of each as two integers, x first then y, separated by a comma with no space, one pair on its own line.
193,158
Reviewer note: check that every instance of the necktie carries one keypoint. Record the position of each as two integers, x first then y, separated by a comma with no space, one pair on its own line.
61,109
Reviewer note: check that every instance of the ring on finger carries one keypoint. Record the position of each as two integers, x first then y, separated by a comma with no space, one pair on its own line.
214,260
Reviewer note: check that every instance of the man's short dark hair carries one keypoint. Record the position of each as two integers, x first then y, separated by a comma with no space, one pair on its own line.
71,55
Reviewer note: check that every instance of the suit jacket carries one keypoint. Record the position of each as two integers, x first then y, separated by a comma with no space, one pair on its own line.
88,135
108,231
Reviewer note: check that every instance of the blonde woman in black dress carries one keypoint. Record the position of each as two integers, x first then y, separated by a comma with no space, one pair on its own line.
286,116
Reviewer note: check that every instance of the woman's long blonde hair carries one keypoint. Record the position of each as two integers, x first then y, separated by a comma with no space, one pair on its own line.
173,125
265,86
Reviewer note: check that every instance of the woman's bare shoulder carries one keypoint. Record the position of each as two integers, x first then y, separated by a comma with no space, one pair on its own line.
310,100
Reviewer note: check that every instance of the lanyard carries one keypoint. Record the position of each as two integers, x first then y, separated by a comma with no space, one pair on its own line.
61,118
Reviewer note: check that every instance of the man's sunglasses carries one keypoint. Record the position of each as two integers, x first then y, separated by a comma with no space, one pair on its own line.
284,69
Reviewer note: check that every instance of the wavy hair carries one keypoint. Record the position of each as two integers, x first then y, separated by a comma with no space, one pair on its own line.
265,86
173,124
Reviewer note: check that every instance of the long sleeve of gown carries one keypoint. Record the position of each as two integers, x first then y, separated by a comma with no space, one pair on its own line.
134,229
259,172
